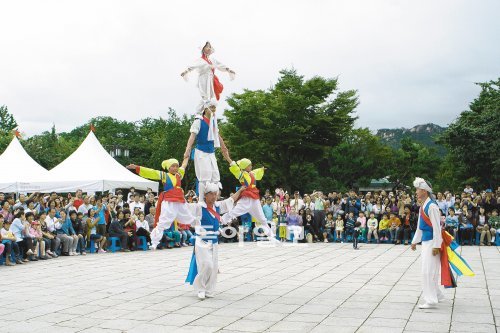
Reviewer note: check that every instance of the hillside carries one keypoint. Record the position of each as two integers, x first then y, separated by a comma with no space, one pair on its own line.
424,134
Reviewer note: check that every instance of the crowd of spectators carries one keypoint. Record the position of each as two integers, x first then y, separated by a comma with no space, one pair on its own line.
381,216
46,226
40,227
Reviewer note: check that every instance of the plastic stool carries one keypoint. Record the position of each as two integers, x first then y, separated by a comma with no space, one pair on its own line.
142,243
12,258
92,246
114,241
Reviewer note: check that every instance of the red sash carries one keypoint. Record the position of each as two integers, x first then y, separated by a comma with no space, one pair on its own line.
447,279
218,87
175,194
158,208
425,217
213,212
252,191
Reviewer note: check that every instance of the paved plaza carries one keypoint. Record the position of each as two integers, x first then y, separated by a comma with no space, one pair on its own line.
304,288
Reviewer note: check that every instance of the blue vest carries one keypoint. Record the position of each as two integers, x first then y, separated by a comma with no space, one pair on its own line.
168,185
201,140
426,229
210,223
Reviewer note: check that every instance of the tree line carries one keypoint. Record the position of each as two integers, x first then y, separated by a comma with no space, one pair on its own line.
303,132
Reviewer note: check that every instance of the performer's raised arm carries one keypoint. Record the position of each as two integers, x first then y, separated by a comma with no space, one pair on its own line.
147,172
197,65
189,145
223,68
235,169
224,150
258,173
184,164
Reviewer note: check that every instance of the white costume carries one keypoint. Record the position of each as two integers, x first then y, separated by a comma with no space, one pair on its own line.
206,74
252,207
431,264
170,211
205,162
206,243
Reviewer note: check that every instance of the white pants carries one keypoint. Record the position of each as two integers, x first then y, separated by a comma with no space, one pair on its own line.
251,206
206,169
207,263
170,211
431,274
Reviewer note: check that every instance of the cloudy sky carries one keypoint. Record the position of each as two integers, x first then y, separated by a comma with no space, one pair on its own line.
412,62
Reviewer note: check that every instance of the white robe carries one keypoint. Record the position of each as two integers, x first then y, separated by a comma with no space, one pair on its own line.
206,76
207,259
431,265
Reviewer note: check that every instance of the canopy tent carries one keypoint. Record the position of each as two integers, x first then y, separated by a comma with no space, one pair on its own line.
17,168
91,169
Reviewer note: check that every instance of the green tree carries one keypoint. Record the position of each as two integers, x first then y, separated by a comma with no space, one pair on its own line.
163,138
359,158
473,137
7,124
414,160
110,133
48,148
290,128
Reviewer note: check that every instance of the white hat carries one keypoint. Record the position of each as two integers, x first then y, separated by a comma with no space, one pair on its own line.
205,104
211,187
422,184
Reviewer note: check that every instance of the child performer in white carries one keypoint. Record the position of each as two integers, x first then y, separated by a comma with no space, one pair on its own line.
429,233
208,83
171,203
250,198
204,262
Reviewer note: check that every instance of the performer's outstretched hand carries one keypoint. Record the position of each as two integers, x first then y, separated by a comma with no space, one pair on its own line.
131,166
413,247
435,251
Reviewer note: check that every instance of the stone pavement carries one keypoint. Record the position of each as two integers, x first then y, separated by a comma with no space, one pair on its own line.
304,288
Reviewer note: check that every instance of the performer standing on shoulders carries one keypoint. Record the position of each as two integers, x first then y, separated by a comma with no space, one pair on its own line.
205,132
171,203
208,83
204,262
429,233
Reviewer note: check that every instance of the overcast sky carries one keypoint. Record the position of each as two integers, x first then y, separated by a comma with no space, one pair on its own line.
412,62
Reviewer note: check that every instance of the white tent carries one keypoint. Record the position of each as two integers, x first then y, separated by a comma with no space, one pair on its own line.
17,168
91,169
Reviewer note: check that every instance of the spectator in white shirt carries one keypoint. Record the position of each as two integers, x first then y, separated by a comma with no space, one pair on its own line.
297,202
142,227
86,206
468,189
136,203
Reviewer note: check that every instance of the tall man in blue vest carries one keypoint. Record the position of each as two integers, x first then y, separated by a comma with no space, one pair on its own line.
204,262
205,132
429,233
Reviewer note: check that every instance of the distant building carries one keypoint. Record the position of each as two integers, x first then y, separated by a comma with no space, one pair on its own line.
382,184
